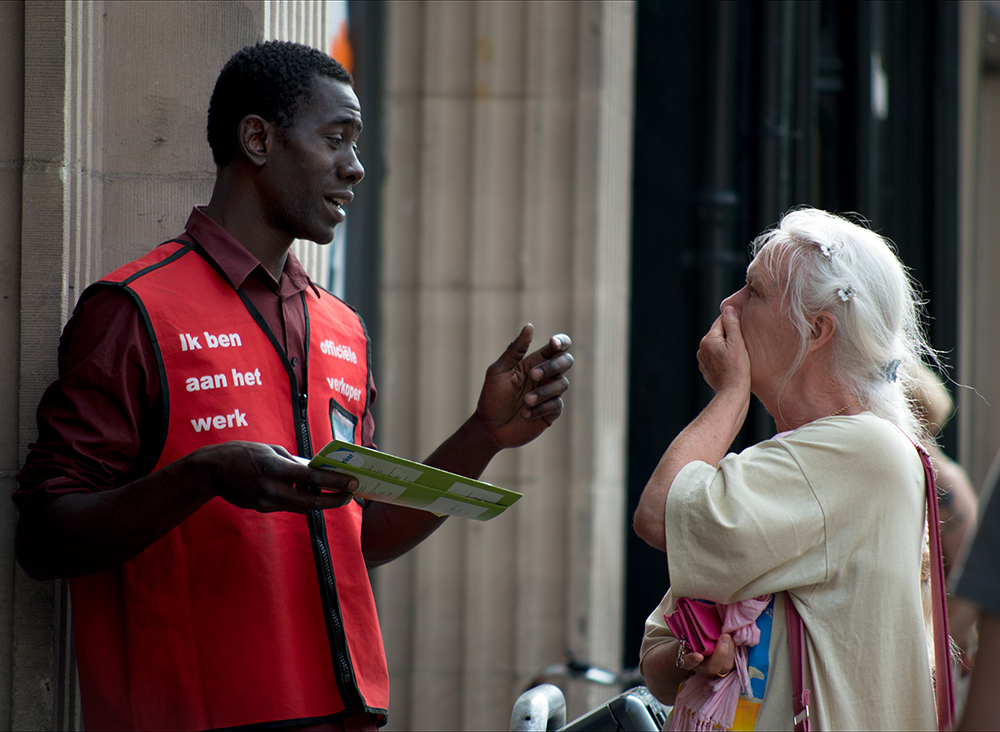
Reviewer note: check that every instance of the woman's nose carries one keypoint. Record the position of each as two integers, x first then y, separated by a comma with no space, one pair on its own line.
731,300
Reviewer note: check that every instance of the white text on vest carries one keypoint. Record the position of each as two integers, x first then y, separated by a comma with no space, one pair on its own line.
220,421
331,348
223,340
219,381
352,393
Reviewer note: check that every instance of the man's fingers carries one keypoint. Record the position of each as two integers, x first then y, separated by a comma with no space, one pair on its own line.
552,359
285,454
550,390
317,489
549,408
516,351
335,499
329,479
559,343
307,488
301,498
553,367
301,474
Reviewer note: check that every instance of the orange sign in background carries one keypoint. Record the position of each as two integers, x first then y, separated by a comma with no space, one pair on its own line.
339,40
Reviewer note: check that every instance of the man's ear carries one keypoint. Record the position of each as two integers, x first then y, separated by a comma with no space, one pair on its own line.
255,137
823,328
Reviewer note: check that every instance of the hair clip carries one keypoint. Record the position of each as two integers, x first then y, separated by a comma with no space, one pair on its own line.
827,250
891,369
845,293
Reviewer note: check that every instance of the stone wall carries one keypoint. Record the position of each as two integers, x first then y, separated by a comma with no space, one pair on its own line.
508,132
979,256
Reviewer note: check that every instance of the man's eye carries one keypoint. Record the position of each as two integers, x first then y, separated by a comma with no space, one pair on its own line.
334,141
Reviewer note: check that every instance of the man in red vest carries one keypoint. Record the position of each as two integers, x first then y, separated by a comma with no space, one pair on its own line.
216,581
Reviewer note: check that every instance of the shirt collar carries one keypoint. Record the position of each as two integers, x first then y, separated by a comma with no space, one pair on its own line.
236,261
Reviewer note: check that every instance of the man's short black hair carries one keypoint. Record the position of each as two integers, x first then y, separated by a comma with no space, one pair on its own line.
267,79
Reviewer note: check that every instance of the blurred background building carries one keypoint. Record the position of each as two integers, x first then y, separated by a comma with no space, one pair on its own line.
597,168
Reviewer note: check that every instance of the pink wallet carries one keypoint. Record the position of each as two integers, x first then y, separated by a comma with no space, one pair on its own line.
697,622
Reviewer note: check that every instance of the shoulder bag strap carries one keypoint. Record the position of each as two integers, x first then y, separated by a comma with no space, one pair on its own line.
943,690
800,694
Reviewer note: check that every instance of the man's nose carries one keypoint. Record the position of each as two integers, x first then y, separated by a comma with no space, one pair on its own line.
352,171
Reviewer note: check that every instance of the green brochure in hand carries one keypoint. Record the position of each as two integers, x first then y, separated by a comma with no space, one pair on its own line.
391,479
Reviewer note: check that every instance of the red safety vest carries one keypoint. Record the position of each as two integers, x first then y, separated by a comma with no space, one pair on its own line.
237,617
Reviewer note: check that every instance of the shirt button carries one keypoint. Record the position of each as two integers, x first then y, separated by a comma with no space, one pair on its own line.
295,361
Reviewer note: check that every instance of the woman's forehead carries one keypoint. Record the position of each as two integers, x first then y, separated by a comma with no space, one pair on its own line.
758,271
767,264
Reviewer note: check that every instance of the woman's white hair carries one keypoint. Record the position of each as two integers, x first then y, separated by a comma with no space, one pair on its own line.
824,262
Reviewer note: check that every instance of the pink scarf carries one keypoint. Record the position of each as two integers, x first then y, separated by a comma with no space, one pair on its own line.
707,703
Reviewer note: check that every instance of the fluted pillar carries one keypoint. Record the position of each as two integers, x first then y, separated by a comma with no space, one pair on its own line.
508,130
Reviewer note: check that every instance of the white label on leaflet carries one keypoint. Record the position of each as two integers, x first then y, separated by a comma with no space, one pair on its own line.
471,491
382,467
371,488
454,508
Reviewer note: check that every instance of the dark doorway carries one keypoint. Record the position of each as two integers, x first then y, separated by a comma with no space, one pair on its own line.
744,110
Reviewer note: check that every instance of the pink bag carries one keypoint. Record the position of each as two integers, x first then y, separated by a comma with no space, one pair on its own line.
697,623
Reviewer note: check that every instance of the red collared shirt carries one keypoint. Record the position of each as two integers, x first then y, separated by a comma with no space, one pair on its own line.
93,419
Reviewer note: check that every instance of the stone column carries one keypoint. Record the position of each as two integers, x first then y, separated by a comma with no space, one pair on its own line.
508,130
979,232
12,73
59,208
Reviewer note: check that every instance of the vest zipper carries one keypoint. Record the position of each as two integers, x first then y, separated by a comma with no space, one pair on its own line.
349,692
304,425
347,684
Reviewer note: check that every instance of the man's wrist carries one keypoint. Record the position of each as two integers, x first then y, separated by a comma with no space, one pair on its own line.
190,477
476,430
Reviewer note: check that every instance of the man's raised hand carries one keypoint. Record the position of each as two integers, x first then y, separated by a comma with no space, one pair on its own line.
522,394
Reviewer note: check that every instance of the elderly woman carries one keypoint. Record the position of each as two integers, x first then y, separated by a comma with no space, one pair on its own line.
830,511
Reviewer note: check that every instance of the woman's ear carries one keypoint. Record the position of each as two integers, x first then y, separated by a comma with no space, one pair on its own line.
255,137
823,328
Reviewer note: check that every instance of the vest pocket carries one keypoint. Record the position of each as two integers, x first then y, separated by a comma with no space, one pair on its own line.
342,422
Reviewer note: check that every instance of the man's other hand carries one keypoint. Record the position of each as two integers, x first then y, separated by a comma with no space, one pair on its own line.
267,478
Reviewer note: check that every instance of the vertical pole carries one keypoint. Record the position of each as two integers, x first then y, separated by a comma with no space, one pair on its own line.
716,204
